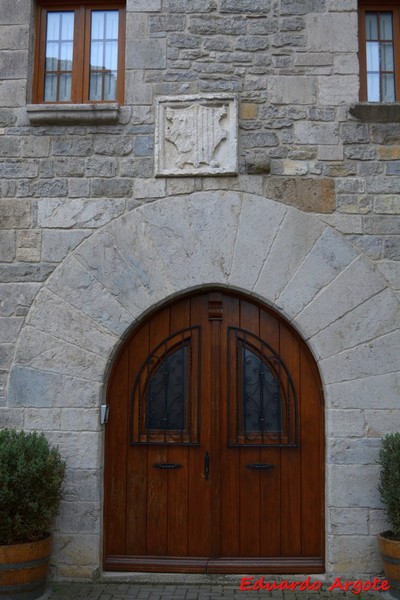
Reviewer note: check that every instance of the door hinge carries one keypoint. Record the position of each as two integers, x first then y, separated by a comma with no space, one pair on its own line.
104,411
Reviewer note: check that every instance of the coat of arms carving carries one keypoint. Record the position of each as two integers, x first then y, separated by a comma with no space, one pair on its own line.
196,135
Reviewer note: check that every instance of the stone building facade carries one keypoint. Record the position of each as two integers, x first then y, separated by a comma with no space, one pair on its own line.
92,241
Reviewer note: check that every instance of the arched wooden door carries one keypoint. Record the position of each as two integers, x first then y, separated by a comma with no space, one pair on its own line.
214,453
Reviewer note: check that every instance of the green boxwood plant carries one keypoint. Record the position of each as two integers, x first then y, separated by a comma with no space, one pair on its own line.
389,486
31,476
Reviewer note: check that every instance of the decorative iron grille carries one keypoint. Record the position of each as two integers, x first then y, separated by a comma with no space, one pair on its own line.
165,401
262,400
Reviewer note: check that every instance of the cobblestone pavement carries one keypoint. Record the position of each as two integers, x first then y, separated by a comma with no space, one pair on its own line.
140,591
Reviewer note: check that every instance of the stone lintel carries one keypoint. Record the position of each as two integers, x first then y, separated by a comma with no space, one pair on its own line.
73,114
376,112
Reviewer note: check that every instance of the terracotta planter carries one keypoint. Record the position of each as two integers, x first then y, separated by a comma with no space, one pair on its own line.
23,569
390,552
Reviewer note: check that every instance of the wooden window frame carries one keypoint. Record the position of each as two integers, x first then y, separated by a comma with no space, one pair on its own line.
81,49
364,6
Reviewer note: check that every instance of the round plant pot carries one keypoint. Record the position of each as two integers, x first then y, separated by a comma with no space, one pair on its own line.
390,552
23,569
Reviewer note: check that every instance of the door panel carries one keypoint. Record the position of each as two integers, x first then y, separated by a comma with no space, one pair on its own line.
261,508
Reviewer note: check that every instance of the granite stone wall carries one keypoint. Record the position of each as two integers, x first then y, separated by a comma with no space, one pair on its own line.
91,240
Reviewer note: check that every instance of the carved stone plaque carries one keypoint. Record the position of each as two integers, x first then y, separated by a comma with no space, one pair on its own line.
196,135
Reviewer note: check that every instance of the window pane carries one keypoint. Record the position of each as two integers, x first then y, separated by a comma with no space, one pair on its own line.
373,87
96,55
386,27
66,56
53,26
372,56
65,87
97,25
371,26
112,24
388,94
111,56
110,86
50,88
95,86
67,26
387,58
52,56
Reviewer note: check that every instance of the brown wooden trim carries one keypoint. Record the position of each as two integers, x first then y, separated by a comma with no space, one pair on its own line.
374,6
81,48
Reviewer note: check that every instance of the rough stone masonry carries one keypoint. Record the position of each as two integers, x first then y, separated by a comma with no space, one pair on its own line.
91,239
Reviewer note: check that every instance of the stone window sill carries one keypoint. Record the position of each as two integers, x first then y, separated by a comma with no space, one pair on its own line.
73,114
375,112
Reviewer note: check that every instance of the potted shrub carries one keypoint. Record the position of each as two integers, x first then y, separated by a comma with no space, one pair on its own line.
31,475
389,488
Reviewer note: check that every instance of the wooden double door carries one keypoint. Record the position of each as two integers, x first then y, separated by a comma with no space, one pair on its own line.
214,457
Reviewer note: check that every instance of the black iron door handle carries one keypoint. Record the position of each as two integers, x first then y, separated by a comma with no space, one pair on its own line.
206,466
260,466
167,466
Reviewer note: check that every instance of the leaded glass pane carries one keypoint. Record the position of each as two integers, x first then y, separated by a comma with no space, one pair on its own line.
373,87
50,88
112,25
166,393
110,86
53,26
95,86
373,56
387,57
261,396
65,87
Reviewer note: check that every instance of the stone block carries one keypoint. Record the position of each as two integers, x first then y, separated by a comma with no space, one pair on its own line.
377,522
291,89
143,6
210,25
307,194
354,133
7,245
391,248
347,291
76,549
100,167
42,419
83,485
74,283
9,147
391,271
43,389
386,133
13,64
347,423
111,188
354,486
388,152
321,30
11,418
7,117
245,6
16,169
338,89
149,188
380,422
136,25
143,145
346,64
146,54
382,224
354,554
110,145
313,59
259,140
359,451
78,188
350,521
20,272
293,7
55,317
12,92
39,350
6,356
80,419
9,329
72,147
329,256
367,392
255,214
36,147
376,357
56,244
327,152
77,213
79,517
344,223
16,297
15,12
316,133
360,152
164,23
195,6
15,214
14,37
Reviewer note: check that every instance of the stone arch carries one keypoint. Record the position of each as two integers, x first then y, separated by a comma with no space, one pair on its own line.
288,259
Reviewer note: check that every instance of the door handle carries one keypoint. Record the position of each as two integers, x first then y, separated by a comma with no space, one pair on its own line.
259,466
206,466
167,466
